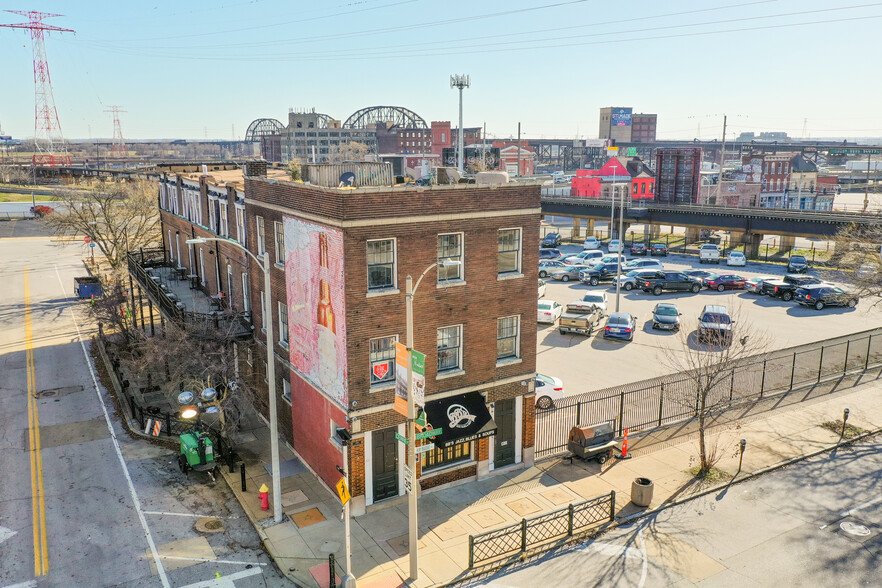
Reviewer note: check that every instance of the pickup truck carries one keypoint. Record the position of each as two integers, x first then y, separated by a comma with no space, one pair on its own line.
580,318
786,287
669,280
709,253
597,273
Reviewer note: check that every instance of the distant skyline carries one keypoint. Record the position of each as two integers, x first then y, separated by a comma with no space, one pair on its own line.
203,69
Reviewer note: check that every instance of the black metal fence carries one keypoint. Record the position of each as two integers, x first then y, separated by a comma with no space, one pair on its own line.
518,538
648,404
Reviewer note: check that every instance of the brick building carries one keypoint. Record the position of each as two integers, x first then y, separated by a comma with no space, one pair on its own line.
678,175
623,125
619,176
338,298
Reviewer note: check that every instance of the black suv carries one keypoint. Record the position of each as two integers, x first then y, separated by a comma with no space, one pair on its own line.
598,272
820,296
669,281
715,325
797,265
786,286
638,249
551,240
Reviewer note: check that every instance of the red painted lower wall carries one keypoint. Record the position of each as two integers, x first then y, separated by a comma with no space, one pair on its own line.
312,414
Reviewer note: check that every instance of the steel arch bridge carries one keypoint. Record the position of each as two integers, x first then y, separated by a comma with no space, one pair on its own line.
263,127
397,115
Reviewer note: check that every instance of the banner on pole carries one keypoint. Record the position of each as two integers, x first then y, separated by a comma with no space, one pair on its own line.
418,364
401,362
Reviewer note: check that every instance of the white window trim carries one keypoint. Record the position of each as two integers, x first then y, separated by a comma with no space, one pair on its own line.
462,256
459,369
246,296
382,385
240,222
393,289
261,235
286,390
520,268
279,263
517,356
283,333
224,220
333,439
212,219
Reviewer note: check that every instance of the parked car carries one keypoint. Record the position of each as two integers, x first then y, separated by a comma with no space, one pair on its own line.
709,253
549,265
631,280
579,317
591,243
541,288
798,264
715,325
736,258
549,311
638,249
549,254
785,287
819,296
666,317
725,282
700,275
551,240
597,273
620,325
585,256
613,258
643,264
548,391
658,249
666,280
568,272
598,299
755,285
614,245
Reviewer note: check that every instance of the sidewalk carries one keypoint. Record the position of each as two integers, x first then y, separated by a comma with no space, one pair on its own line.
313,526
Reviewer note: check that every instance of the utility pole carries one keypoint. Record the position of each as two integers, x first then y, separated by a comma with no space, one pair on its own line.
484,150
519,151
722,159
867,189
460,82
612,209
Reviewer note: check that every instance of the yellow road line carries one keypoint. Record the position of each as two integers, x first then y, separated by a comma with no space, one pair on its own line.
41,548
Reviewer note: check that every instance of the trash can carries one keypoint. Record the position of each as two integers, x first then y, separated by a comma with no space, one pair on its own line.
641,491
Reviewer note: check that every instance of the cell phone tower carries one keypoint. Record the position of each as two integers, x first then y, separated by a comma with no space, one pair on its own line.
48,140
119,144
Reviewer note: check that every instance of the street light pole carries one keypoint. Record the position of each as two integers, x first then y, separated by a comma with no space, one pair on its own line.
612,208
621,243
270,366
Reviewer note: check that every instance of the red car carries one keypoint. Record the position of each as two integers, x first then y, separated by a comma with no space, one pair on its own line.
725,282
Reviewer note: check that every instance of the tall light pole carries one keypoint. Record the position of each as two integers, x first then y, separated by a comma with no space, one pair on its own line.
266,266
612,208
621,244
460,82
412,517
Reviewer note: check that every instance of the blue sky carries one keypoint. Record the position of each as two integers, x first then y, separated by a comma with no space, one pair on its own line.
196,69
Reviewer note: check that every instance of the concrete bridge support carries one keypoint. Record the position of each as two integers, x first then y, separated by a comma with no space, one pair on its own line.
786,244
751,245
653,231
692,234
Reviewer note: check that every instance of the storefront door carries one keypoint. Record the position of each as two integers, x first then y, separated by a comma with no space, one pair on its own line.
385,464
504,450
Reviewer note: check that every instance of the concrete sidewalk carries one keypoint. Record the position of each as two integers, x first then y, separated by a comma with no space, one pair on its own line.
313,527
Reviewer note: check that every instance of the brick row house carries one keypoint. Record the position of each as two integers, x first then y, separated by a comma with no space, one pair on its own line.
338,306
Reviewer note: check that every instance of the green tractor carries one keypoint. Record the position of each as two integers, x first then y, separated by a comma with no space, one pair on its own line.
197,453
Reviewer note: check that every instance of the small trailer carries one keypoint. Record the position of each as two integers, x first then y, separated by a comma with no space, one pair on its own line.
592,442
87,287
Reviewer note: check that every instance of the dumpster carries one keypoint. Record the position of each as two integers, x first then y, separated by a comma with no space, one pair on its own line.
87,286
593,441
641,491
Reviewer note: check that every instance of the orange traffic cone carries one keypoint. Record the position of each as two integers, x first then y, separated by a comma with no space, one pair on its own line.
624,454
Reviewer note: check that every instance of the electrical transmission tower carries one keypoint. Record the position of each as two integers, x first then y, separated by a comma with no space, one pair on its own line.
119,144
48,140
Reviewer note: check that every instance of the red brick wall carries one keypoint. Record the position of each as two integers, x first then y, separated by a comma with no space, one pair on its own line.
449,476
528,421
356,467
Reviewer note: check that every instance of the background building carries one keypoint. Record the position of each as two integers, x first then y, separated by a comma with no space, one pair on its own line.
643,128
678,175
620,124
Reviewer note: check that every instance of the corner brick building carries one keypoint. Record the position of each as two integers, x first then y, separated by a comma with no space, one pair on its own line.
339,303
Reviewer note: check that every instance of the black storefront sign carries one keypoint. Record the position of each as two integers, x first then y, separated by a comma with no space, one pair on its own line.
463,418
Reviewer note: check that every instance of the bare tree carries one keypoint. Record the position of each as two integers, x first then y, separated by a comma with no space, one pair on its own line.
709,357
350,151
856,255
118,217
15,174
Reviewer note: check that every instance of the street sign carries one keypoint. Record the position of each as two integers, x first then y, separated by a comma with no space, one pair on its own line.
343,491
430,433
91,244
425,448
86,239
854,151
408,479
401,438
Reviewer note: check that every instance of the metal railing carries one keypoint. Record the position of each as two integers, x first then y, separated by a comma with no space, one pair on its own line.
575,519
654,403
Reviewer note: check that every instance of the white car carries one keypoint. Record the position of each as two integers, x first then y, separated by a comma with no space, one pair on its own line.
709,253
549,311
548,390
736,258
613,259
614,246
598,299
591,243
586,256
642,264
541,288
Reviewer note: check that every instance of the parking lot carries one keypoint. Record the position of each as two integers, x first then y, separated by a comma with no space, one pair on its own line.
590,363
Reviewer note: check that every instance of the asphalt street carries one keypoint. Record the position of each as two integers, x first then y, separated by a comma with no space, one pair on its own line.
83,504
814,523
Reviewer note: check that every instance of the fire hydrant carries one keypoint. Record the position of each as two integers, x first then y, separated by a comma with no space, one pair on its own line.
263,493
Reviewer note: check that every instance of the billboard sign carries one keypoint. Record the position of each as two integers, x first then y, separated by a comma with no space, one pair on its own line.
621,117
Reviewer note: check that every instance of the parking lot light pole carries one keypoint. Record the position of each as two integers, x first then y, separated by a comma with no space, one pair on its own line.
266,266
612,208
621,244
412,516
